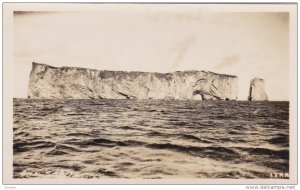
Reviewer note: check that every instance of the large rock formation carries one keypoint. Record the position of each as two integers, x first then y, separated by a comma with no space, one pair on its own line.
69,82
257,90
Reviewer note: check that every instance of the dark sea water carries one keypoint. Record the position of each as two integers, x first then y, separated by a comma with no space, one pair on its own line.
149,139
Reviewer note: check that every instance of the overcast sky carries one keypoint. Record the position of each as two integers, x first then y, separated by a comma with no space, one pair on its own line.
247,45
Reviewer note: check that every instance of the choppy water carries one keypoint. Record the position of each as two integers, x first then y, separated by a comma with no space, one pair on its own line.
149,139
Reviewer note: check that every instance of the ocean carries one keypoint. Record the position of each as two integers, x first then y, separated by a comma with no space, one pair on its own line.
149,139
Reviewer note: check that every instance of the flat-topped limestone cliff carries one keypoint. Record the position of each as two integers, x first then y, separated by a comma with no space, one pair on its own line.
79,83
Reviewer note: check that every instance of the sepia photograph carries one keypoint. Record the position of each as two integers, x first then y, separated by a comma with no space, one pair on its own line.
153,92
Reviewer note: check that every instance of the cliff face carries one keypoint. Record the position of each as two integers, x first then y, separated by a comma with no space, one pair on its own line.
257,90
78,83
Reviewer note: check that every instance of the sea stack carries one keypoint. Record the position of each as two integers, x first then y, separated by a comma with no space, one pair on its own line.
257,90
79,83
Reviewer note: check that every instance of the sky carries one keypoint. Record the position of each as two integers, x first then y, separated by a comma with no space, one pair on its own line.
248,45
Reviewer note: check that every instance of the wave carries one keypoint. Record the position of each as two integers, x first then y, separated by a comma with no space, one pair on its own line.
217,153
66,166
56,152
107,143
62,147
281,154
194,138
26,146
79,134
282,140
106,172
